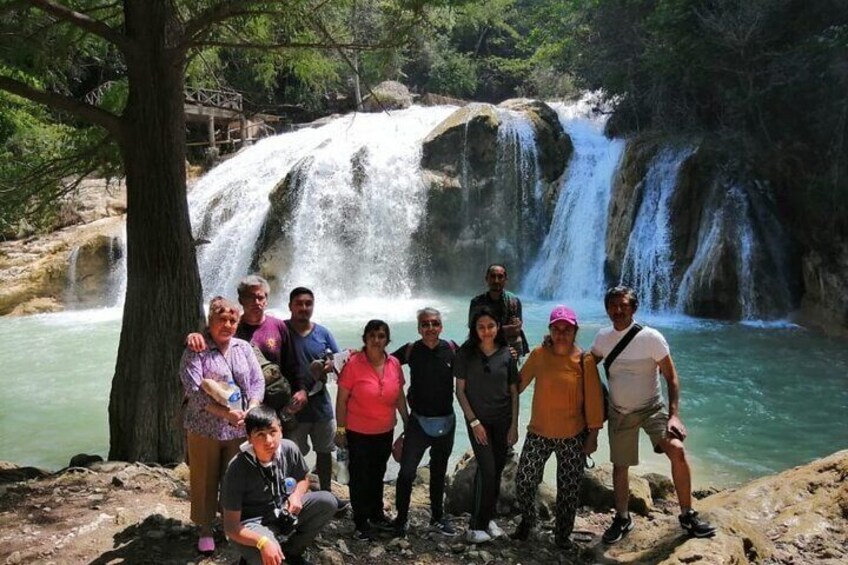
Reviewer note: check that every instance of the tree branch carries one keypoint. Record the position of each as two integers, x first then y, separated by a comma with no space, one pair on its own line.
293,45
217,13
80,20
92,114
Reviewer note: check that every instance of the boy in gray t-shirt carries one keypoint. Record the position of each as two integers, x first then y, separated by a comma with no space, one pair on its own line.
254,494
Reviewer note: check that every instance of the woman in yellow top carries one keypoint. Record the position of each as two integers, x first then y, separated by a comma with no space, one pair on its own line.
566,416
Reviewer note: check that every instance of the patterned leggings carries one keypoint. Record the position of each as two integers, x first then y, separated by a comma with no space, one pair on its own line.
531,466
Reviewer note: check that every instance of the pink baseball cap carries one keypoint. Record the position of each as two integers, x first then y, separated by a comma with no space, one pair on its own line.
563,314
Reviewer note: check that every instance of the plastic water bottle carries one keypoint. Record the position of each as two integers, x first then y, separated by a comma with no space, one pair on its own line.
289,484
234,400
342,472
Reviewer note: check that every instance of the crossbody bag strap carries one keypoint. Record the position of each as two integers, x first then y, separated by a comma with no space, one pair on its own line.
619,347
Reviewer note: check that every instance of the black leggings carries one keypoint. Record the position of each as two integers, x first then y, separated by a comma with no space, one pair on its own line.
491,460
415,443
368,454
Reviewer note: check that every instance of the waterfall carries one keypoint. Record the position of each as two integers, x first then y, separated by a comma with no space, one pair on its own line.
71,278
740,224
360,197
117,280
570,263
648,262
520,185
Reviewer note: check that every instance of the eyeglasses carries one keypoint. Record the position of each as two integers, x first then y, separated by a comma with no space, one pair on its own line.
486,368
430,324
255,297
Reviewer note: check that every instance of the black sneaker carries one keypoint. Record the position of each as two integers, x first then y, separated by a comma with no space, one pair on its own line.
400,529
695,526
619,528
522,532
382,523
364,535
443,527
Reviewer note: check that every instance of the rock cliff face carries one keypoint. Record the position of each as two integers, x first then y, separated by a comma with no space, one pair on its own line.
825,302
725,253
491,190
72,265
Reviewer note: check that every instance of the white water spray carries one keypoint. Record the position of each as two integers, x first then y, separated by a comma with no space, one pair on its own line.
648,261
570,264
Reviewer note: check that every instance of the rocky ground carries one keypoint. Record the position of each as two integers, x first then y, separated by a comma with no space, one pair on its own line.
116,512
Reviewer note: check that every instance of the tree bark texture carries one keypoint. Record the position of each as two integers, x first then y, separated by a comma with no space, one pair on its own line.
164,295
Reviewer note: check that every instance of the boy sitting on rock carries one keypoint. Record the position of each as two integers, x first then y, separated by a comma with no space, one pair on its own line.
269,512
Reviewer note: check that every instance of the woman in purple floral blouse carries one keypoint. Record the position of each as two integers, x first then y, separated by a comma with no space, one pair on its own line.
221,384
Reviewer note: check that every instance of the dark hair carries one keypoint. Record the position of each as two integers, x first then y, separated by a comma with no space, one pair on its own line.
622,290
260,418
298,291
473,340
493,265
374,325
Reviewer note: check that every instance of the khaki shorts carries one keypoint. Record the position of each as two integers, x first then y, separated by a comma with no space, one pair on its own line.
624,433
322,434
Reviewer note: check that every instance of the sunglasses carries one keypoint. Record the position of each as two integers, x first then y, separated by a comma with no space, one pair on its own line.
430,324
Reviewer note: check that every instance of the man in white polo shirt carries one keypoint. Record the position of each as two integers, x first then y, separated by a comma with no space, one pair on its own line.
636,403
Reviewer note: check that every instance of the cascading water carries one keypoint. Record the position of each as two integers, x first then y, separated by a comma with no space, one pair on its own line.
71,277
360,198
741,230
648,261
517,172
570,263
117,283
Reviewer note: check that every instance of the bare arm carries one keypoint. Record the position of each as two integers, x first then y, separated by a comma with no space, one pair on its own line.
402,408
341,416
463,401
270,550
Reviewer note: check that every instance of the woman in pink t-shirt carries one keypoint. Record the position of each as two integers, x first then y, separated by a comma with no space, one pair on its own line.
370,391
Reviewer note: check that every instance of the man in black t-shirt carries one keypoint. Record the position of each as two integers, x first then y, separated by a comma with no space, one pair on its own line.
431,423
254,493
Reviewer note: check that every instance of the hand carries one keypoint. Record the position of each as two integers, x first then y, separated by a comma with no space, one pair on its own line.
271,553
295,503
480,434
341,440
195,342
298,401
676,429
513,352
590,444
512,436
235,417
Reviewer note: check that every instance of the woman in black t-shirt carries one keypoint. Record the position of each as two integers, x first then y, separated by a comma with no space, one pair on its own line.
487,389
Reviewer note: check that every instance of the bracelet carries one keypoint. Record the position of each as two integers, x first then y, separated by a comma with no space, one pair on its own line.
474,423
341,430
261,543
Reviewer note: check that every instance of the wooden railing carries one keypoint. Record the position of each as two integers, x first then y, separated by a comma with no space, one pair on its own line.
229,99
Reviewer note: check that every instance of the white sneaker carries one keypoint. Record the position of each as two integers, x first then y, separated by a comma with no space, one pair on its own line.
477,536
494,530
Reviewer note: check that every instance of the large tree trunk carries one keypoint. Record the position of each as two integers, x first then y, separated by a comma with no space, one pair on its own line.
163,300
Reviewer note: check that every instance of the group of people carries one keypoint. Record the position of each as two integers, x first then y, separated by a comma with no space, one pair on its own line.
278,384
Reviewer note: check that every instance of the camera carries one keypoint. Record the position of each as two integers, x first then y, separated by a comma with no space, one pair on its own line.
285,522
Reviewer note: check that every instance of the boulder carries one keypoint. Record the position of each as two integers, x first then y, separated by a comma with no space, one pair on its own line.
273,252
662,488
824,305
35,272
460,487
491,190
555,146
12,473
798,516
388,95
84,460
596,491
